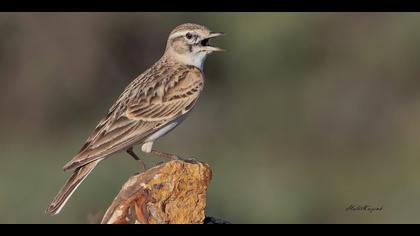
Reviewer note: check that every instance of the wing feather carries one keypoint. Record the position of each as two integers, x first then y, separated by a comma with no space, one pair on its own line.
147,104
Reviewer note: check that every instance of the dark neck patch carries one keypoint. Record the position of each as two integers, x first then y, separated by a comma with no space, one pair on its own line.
193,67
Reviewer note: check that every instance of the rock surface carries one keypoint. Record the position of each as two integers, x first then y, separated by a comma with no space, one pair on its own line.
170,193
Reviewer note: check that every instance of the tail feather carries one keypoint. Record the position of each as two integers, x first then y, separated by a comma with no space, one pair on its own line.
70,186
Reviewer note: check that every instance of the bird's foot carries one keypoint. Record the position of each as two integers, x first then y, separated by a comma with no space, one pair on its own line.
166,155
191,160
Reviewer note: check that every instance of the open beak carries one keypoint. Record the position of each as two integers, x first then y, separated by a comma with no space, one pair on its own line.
207,46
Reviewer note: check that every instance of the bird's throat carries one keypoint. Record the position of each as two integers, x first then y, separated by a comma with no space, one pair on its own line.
196,60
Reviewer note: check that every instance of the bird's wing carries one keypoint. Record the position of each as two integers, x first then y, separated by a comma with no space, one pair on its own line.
142,109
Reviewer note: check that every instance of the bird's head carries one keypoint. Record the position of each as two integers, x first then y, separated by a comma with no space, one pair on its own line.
189,44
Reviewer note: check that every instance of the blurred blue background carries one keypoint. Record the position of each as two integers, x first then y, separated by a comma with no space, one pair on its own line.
305,114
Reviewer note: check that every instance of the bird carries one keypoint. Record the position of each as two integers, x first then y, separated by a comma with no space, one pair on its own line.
151,105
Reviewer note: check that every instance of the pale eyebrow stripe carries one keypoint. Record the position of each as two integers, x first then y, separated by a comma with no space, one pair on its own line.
180,33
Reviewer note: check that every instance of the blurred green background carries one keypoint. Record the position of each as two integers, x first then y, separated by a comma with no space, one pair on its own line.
305,114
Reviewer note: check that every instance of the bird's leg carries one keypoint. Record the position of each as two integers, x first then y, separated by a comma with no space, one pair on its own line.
172,156
166,155
132,154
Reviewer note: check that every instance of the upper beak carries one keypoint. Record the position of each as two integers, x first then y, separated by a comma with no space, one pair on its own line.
213,48
215,34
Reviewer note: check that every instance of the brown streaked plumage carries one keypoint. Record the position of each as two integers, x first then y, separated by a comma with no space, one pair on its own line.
150,106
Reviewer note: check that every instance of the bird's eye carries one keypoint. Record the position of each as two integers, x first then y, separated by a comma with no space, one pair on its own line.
188,35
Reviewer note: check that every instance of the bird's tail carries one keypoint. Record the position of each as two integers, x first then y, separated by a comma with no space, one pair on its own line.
70,186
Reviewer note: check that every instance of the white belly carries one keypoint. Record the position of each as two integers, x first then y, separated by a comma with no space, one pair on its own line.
161,132
165,129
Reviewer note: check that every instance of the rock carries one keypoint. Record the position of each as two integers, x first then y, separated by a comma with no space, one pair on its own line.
170,193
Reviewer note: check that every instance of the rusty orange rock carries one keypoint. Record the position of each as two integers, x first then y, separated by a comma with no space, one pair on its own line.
170,193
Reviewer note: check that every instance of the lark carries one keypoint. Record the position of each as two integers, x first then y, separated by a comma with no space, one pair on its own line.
153,104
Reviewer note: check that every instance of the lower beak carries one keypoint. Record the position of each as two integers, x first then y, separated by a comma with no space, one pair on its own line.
215,49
